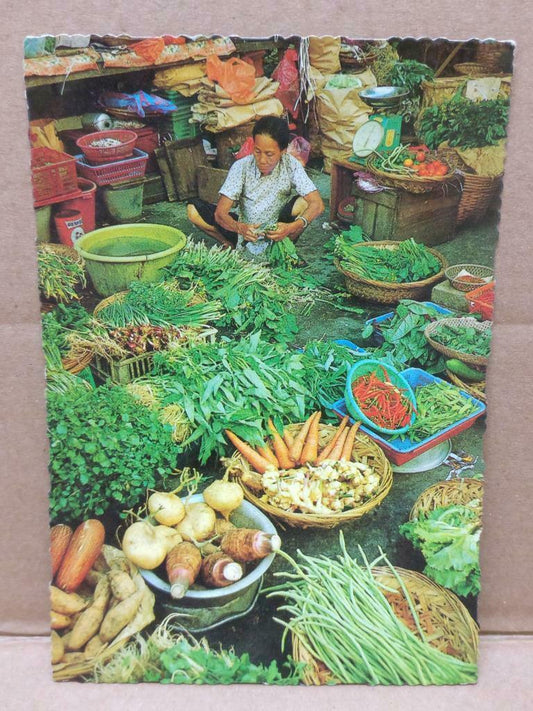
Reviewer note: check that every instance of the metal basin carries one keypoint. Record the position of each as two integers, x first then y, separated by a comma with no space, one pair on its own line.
383,97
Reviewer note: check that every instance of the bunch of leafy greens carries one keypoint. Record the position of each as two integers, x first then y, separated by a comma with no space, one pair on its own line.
448,538
410,74
61,321
106,449
403,337
409,261
465,339
251,298
190,663
238,385
464,123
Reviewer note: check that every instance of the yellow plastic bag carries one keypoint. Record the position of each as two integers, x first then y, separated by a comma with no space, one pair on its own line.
43,135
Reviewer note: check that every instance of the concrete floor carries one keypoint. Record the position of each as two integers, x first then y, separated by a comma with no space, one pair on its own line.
256,633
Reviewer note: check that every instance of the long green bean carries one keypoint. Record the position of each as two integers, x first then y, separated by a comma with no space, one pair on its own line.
345,620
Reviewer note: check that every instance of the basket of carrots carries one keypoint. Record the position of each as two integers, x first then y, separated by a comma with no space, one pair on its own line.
312,475
380,397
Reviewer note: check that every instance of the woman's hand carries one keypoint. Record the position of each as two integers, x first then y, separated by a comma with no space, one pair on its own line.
283,230
248,232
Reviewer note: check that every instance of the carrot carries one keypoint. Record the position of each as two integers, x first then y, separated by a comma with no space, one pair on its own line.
324,454
349,443
267,453
288,439
337,449
280,448
258,462
310,450
299,440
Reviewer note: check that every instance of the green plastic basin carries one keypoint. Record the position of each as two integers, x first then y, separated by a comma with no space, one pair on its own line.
115,256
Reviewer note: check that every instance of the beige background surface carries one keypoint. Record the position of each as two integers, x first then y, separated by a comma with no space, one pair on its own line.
506,605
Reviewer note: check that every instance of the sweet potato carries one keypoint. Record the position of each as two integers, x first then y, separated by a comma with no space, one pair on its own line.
73,658
59,621
118,617
66,603
122,586
93,646
57,647
89,621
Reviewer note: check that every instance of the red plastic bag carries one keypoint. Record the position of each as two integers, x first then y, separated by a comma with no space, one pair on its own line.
149,49
289,84
300,149
246,149
234,76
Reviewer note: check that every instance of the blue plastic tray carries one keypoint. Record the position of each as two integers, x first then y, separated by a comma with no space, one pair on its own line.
400,451
377,337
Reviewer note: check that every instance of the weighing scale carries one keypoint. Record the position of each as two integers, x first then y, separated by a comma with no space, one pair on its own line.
382,131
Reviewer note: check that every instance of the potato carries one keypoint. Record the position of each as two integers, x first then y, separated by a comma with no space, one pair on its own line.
119,616
66,603
58,648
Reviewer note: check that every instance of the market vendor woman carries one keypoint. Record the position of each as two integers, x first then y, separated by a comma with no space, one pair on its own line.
262,187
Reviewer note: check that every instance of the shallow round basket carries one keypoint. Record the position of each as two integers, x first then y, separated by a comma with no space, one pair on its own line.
454,630
476,270
365,367
477,390
472,69
462,492
382,292
107,154
363,447
410,183
466,321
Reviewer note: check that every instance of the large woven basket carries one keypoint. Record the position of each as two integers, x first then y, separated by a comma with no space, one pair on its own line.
454,630
479,192
145,615
382,292
410,183
363,447
477,390
462,492
472,69
451,352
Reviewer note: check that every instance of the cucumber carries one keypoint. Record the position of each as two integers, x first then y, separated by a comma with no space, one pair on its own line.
464,371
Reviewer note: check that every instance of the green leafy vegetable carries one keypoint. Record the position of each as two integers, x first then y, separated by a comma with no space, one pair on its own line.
465,339
464,123
438,405
106,449
448,538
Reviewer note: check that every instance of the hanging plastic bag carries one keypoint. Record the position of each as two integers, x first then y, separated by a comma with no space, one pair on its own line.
246,149
300,149
289,83
138,103
236,77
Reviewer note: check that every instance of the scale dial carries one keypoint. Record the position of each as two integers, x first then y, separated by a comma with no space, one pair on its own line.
368,138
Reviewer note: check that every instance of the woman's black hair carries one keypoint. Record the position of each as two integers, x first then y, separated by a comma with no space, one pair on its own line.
276,128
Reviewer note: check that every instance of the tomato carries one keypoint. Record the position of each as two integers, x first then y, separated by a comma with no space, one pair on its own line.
422,170
441,170
420,156
408,162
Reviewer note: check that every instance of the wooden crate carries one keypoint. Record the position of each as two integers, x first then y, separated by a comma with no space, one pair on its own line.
429,218
210,180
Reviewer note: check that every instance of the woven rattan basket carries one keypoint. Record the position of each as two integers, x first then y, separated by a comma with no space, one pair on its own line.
465,321
412,184
382,292
454,630
479,192
462,492
65,671
472,69
476,270
477,390
363,447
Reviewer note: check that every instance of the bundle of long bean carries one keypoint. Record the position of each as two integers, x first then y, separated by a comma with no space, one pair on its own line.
340,612
407,262
439,405
162,304
59,275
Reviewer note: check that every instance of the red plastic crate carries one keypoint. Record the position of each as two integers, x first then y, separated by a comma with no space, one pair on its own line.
481,301
119,171
53,174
